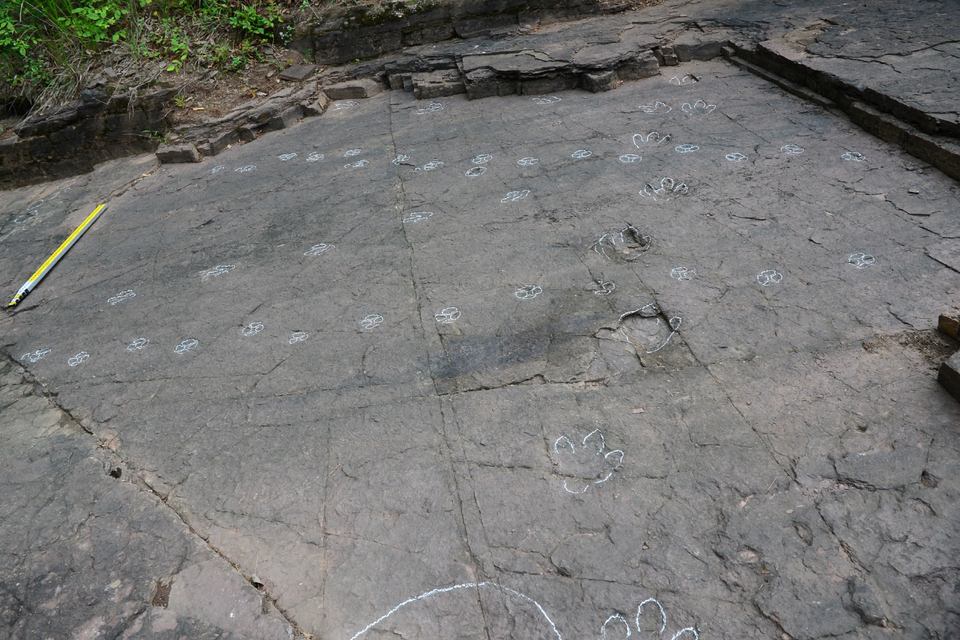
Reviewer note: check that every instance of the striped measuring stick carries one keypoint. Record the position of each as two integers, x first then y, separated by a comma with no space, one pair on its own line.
52,260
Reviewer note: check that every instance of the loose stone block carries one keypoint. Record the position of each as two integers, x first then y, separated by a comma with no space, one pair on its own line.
352,89
178,153
298,73
597,82
284,119
949,376
950,326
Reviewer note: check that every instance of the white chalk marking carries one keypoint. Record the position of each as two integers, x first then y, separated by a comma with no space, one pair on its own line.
580,154
596,437
36,355
736,156
683,273
400,159
343,106
792,149
448,315
667,190
483,158
768,277
357,164
653,138
430,166
686,148
187,345
861,260
315,157
549,100
218,168
352,152
475,172
317,249
687,79
606,288
656,108
417,216
120,297
663,614
433,108
513,196
138,344
527,162
252,329
674,324
528,292
78,359
287,156
469,585
699,108
246,169
217,271
853,156
630,158
610,240
297,336
371,321
617,617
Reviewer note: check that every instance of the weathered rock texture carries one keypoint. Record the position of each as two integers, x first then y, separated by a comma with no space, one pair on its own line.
74,138
372,31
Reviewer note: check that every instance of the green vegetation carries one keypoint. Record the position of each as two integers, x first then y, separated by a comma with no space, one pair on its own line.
46,45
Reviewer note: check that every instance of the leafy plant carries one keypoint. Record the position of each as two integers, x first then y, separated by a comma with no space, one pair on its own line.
95,21
248,20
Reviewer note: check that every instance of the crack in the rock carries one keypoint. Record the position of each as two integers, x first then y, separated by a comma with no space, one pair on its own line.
41,391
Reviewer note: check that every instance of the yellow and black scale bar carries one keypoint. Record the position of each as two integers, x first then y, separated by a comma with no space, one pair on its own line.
52,260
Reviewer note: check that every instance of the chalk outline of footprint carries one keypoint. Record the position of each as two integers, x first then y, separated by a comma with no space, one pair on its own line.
573,452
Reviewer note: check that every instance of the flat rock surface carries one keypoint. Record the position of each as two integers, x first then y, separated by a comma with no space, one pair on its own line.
561,366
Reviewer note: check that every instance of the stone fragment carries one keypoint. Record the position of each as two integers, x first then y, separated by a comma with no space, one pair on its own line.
298,73
693,45
949,375
353,89
950,326
597,82
178,153
284,119
643,66
316,107
218,142
247,132
669,57
437,84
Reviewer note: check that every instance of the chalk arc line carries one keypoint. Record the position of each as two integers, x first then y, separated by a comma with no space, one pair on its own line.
468,585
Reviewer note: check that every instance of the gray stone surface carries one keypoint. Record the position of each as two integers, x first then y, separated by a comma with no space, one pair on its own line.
298,73
361,361
89,552
172,153
352,89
